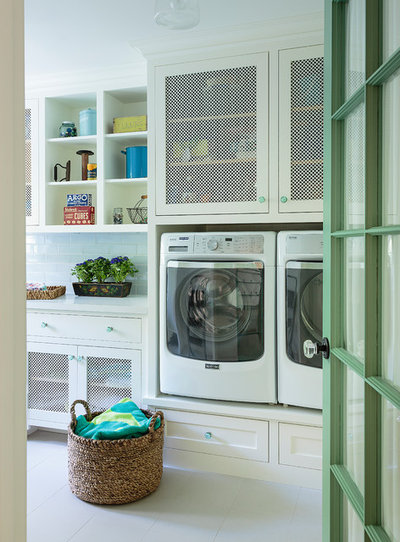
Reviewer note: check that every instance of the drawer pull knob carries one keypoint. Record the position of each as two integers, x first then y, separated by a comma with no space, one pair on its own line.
70,357
109,329
283,199
207,435
43,324
79,358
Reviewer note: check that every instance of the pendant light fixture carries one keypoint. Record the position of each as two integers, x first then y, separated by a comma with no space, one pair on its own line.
177,14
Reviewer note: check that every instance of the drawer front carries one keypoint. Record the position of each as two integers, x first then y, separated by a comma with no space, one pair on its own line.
84,327
217,435
300,446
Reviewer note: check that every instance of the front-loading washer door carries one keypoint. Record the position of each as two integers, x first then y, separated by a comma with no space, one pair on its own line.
215,310
303,310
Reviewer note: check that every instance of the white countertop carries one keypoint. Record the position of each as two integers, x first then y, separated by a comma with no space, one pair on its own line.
122,306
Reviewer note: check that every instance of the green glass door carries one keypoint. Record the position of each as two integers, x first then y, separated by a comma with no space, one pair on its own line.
361,484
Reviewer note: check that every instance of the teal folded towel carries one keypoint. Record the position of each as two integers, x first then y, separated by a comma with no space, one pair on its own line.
123,420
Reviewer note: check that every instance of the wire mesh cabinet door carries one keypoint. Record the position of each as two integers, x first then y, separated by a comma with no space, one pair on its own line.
107,375
211,140
31,162
52,380
301,86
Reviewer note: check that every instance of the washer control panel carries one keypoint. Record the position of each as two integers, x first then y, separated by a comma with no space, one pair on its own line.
219,243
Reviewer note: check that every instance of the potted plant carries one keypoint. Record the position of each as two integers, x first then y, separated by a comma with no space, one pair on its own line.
94,274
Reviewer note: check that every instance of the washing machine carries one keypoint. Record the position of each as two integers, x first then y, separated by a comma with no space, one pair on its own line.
217,315
299,317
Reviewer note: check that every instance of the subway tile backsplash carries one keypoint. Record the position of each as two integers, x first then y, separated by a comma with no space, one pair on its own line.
50,256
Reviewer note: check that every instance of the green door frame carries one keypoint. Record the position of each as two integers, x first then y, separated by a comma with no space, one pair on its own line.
336,478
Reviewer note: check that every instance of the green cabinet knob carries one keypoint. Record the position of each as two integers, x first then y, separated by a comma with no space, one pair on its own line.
79,358
43,324
283,199
109,329
70,357
207,435
261,199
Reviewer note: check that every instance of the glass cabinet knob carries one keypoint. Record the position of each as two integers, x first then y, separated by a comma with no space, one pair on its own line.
283,199
207,435
261,199
312,349
70,357
109,329
79,358
43,324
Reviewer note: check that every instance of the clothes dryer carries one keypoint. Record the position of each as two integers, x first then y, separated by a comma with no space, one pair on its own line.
217,315
299,317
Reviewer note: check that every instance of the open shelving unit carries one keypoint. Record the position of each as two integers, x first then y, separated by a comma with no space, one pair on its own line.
111,189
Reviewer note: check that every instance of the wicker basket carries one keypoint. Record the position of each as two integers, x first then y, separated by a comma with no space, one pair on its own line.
51,293
114,471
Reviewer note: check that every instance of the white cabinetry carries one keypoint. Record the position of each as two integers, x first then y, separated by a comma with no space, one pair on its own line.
111,189
211,144
301,86
96,358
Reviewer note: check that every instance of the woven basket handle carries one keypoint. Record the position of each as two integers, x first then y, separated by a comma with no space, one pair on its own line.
156,415
85,406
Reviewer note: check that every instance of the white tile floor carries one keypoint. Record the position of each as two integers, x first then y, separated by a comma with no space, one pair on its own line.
188,506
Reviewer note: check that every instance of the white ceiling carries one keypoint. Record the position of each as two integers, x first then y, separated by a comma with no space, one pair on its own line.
68,35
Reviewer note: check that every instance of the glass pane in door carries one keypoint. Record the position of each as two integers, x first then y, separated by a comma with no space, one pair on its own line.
390,506
354,168
391,27
354,427
353,530
355,46
354,296
390,149
391,308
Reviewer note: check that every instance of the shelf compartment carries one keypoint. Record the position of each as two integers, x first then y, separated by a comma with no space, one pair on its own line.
57,200
122,193
66,108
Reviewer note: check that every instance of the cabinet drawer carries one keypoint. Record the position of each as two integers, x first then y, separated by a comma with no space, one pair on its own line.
85,327
300,446
217,435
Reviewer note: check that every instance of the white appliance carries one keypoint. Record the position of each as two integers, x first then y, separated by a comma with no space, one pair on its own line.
299,316
217,315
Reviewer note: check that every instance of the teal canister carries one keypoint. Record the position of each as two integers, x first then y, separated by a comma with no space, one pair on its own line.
136,162
87,122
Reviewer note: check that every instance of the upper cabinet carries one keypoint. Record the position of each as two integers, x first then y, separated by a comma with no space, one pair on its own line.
301,85
31,162
211,122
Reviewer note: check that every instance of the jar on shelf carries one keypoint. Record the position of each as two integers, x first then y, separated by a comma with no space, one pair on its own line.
67,129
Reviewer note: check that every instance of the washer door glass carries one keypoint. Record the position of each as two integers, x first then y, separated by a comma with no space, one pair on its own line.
303,310
215,310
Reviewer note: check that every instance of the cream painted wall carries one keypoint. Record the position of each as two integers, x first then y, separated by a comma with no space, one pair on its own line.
12,274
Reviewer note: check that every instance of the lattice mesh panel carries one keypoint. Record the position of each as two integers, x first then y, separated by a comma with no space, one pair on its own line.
108,381
306,134
28,162
211,138
48,387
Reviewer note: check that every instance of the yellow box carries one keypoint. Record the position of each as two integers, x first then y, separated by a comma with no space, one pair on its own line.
130,124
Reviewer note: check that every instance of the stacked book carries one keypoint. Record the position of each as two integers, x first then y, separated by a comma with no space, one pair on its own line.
79,210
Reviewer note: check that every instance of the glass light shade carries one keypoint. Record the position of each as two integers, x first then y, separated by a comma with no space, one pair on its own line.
177,14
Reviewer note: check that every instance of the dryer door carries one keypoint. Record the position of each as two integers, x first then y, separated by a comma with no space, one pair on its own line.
303,310
215,310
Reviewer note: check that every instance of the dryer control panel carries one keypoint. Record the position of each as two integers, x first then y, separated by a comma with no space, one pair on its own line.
221,243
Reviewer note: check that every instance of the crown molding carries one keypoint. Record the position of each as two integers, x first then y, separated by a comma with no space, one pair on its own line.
182,41
133,74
